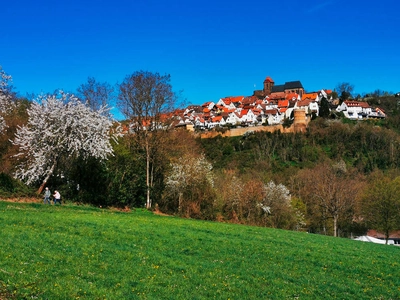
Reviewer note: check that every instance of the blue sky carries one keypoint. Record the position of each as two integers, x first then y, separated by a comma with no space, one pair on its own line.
211,48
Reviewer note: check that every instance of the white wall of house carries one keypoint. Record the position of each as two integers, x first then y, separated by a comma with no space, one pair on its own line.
354,112
274,119
233,119
250,117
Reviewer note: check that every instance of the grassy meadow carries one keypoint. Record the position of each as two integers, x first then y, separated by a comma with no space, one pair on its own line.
73,252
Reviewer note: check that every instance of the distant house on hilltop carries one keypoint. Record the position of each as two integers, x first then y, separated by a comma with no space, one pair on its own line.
359,110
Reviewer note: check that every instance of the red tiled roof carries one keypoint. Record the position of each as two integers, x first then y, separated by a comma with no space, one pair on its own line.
311,96
290,96
305,102
278,95
217,119
269,79
283,103
271,112
233,99
244,112
249,100
356,104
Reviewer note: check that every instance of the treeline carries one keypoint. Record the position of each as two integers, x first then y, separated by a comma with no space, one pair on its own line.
338,178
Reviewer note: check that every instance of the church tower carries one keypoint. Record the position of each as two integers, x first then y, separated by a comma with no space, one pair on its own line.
268,84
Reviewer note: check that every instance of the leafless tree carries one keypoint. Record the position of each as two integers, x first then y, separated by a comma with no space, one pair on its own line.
331,191
96,94
145,98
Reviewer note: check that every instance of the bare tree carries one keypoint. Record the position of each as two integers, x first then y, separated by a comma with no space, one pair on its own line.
332,189
96,94
344,90
145,98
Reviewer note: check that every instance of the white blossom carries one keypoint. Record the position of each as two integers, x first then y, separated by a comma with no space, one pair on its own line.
188,170
6,103
274,195
60,126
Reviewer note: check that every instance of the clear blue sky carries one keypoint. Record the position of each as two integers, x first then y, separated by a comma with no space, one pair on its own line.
211,48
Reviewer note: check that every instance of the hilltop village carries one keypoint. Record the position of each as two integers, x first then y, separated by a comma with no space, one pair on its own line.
270,106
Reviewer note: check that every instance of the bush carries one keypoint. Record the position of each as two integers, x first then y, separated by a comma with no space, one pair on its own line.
10,187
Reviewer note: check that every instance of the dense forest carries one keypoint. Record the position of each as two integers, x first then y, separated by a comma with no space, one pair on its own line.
340,177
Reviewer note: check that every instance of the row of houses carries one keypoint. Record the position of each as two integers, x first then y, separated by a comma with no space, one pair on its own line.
269,106
244,111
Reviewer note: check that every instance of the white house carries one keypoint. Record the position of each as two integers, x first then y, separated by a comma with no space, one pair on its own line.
247,116
355,109
273,117
233,118
310,106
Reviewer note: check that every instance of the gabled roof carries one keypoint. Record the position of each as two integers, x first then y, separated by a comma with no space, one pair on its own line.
277,96
217,119
271,112
311,96
233,99
287,86
293,85
305,102
207,103
291,96
244,112
283,103
279,88
283,109
356,104
249,100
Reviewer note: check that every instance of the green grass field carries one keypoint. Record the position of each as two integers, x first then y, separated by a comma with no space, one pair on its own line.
73,252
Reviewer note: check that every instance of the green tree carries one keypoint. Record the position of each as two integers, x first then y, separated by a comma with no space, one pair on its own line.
381,205
324,108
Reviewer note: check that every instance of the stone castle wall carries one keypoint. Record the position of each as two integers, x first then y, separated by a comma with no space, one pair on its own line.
300,124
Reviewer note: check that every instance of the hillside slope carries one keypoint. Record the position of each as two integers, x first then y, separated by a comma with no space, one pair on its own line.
79,252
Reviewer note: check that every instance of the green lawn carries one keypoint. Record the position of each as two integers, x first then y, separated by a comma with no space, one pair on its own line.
72,252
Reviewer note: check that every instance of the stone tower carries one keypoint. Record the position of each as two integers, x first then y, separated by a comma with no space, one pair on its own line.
299,122
268,84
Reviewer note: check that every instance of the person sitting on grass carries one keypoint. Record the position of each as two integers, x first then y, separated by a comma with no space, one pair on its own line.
57,197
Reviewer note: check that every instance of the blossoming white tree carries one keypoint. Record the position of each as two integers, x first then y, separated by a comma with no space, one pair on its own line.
188,176
274,194
60,127
6,103
276,206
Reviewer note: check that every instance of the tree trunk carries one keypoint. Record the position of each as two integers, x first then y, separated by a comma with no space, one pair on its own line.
335,220
46,178
180,203
148,202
